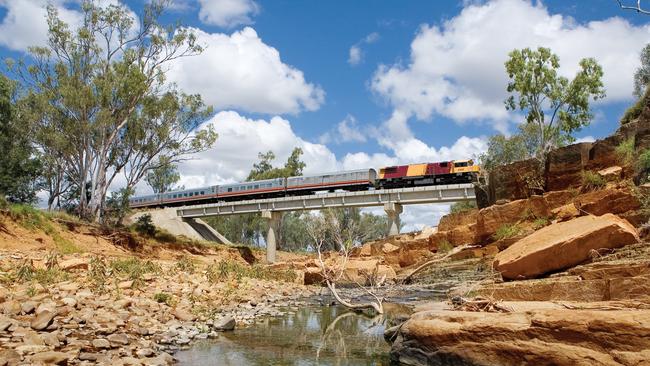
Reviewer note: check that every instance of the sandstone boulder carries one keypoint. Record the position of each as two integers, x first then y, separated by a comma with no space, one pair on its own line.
74,264
563,245
612,173
545,336
610,200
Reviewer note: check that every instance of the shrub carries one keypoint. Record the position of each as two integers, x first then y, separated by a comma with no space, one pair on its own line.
643,164
164,298
144,225
97,272
226,269
633,112
592,180
540,223
506,231
185,264
134,268
444,246
625,151
462,206
26,273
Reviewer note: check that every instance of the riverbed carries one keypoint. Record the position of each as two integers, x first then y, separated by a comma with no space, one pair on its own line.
313,335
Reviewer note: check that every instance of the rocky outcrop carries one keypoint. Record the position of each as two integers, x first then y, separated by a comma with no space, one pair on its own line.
564,166
544,336
563,245
490,219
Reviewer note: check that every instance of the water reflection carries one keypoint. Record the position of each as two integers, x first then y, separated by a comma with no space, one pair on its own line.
309,336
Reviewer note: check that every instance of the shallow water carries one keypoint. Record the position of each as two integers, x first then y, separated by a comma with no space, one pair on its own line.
304,337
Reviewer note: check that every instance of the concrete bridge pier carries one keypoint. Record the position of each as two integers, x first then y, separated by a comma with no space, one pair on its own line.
392,211
274,218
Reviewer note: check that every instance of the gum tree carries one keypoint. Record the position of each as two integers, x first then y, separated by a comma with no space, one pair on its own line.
555,105
92,85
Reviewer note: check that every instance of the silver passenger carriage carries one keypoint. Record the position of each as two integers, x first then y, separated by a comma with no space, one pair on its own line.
259,188
143,201
349,180
193,194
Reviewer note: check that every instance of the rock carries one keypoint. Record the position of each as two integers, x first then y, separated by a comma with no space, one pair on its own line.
30,349
28,307
120,339
609,200
566,212
69,287
51,339
9,356
86,356
613,173
144,352
225,323
552,336
5,323
11,308
564,166
563,245
74,264
101,343
42,320
125,284
69,301
183,315
51,358
492,218
510,182
313,276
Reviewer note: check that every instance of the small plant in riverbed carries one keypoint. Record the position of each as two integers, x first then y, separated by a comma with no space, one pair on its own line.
31,291
444,246
230,269
134,268
97,273
506,231
592,181
164,298
185,264
26,273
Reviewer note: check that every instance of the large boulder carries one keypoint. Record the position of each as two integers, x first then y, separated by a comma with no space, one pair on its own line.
545,335
609,200
563,245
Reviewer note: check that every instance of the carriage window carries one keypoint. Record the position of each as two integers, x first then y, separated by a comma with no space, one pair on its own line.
184,194
229,189
250,187
202,192
256,186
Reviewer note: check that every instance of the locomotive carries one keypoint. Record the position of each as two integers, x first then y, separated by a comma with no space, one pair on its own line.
401,176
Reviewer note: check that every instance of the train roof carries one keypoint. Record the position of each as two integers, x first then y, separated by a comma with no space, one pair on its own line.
333,173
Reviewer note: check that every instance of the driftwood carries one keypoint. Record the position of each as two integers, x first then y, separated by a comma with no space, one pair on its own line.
479,304
424,265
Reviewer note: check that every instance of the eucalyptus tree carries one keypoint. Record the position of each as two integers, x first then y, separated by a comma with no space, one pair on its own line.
554,104
97,85
163,177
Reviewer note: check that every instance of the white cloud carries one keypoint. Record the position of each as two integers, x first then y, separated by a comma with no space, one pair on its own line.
355,55
25,23
356,52
240,71
348,130
457,69
585,139
228,13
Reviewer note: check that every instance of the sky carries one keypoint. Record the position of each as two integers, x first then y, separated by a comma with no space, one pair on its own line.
367,83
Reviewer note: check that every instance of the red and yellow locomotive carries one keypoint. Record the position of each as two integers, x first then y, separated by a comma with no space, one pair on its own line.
446,172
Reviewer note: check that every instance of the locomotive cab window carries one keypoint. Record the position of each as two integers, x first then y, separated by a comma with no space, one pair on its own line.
443,164
460,164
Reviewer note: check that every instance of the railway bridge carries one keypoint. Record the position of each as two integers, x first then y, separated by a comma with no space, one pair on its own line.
392,200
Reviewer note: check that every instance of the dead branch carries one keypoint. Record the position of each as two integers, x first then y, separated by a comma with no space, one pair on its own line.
636,8
437,260
479,304
316,230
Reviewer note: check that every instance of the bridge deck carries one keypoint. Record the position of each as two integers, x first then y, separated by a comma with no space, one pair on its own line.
404,196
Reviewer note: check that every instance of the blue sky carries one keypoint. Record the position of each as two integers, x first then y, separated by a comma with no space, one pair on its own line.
366,83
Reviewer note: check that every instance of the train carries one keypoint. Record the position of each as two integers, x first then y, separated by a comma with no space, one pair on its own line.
400,176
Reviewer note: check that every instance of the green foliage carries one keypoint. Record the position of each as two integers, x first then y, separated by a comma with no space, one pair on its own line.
522,145
540,223
592,180
625,151
444,246
264,168
506,231
20,167
29,217
117,206
134,268
554,104
98,273
185,264
642,74
643,164
164,298
231,269
633,112
25,272
462,206
144,225
163,176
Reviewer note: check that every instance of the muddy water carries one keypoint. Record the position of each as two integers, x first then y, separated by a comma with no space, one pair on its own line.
303,337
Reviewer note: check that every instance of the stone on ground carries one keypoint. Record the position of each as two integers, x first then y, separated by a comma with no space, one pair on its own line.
563,245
